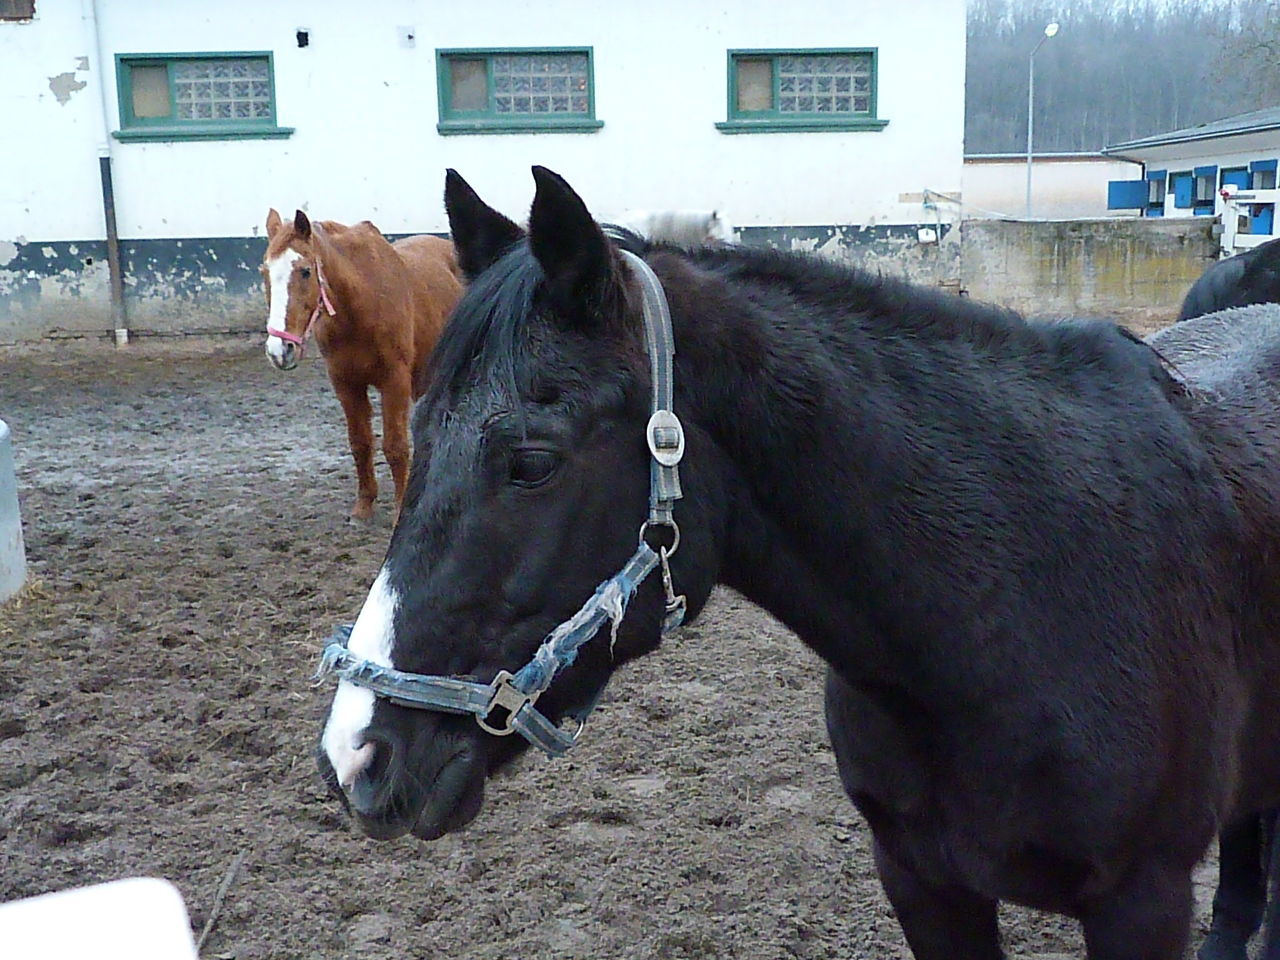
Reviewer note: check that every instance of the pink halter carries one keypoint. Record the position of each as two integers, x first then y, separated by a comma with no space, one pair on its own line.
301,342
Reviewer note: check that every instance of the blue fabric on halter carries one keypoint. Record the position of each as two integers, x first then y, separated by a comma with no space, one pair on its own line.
517,694
609,602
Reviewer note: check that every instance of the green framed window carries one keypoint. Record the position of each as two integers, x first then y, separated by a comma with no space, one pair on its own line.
516,90
802,90
197,96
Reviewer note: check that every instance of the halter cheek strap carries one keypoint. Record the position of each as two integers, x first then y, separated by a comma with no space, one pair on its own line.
301,341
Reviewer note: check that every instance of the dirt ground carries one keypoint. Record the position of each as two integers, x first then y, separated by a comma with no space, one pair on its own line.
185,526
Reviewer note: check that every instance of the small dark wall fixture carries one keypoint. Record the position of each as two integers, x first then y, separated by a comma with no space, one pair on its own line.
304,37
18,11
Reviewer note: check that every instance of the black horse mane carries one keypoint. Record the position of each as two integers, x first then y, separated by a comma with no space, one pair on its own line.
485,331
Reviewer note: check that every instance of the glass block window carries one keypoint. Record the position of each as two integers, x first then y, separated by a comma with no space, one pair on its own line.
516,90
196,94
824,84
806,89
222,89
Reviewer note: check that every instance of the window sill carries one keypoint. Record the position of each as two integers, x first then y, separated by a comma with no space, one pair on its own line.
154,134
774,125
457,127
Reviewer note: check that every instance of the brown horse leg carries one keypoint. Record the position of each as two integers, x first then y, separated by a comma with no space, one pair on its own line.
940,924
359,413
396,401
1147,917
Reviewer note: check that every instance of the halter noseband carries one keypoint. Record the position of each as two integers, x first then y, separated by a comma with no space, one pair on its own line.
506,705
324,301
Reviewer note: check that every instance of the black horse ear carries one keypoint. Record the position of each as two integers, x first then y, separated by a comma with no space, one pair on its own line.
480,234
301,225
571,248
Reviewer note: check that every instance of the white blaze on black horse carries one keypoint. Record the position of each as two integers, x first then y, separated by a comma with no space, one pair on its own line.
1042,572
345,742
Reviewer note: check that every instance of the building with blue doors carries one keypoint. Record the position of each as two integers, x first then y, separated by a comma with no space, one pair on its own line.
1185,173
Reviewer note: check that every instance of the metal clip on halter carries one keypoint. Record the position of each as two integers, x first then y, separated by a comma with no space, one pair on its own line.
506,696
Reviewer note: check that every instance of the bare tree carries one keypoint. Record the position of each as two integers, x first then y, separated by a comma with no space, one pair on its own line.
1117,70
1248,33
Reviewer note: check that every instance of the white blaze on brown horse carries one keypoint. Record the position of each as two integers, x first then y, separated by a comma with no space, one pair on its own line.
376,310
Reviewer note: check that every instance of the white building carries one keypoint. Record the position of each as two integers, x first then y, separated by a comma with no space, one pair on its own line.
1185,171
819,125
1064,186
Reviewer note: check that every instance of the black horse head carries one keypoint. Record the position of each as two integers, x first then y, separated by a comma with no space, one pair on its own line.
528,488
1246,278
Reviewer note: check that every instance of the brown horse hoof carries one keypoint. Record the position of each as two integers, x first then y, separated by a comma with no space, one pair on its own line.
361,514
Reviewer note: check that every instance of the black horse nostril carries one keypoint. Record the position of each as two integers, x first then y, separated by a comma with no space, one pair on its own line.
370,788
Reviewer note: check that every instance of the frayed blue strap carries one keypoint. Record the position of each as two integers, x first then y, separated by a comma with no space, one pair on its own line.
446,694
406,689
608,603
516,695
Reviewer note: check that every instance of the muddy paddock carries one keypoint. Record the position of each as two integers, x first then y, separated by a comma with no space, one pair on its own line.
185,526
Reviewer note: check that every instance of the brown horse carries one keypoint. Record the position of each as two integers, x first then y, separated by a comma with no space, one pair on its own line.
376,309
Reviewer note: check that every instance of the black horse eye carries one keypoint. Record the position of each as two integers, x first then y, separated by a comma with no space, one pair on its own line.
306,273
532,467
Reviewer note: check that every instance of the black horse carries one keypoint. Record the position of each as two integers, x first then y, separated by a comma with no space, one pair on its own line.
1228,351
1249,277
1041,570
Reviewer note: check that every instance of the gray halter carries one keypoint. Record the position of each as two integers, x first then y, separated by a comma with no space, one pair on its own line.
507,704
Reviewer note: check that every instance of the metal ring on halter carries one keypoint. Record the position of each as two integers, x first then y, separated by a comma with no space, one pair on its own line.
675,532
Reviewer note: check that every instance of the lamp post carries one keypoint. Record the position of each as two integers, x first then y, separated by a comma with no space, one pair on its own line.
1049,31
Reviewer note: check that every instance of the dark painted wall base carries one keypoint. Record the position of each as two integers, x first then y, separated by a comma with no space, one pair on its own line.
212,285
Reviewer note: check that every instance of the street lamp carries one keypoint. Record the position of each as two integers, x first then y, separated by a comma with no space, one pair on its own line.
1049,31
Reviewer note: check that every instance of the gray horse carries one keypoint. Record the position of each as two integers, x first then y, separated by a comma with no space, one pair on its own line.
1234,356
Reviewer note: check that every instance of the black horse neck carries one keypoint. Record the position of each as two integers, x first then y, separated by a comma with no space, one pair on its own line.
853,418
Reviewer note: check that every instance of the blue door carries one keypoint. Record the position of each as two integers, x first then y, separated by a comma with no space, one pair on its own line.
1183,189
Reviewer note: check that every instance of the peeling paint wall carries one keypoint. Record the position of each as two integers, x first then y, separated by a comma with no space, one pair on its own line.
365,143
65,84
50,107
60,289
1133,270
892,250
1136,271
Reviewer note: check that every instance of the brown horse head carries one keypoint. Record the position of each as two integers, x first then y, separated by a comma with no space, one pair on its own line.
295,284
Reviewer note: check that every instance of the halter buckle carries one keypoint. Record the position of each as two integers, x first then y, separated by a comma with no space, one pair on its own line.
666,438
507,696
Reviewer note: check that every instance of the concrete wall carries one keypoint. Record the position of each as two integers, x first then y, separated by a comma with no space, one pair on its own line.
364,110
1133,270
1062,187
